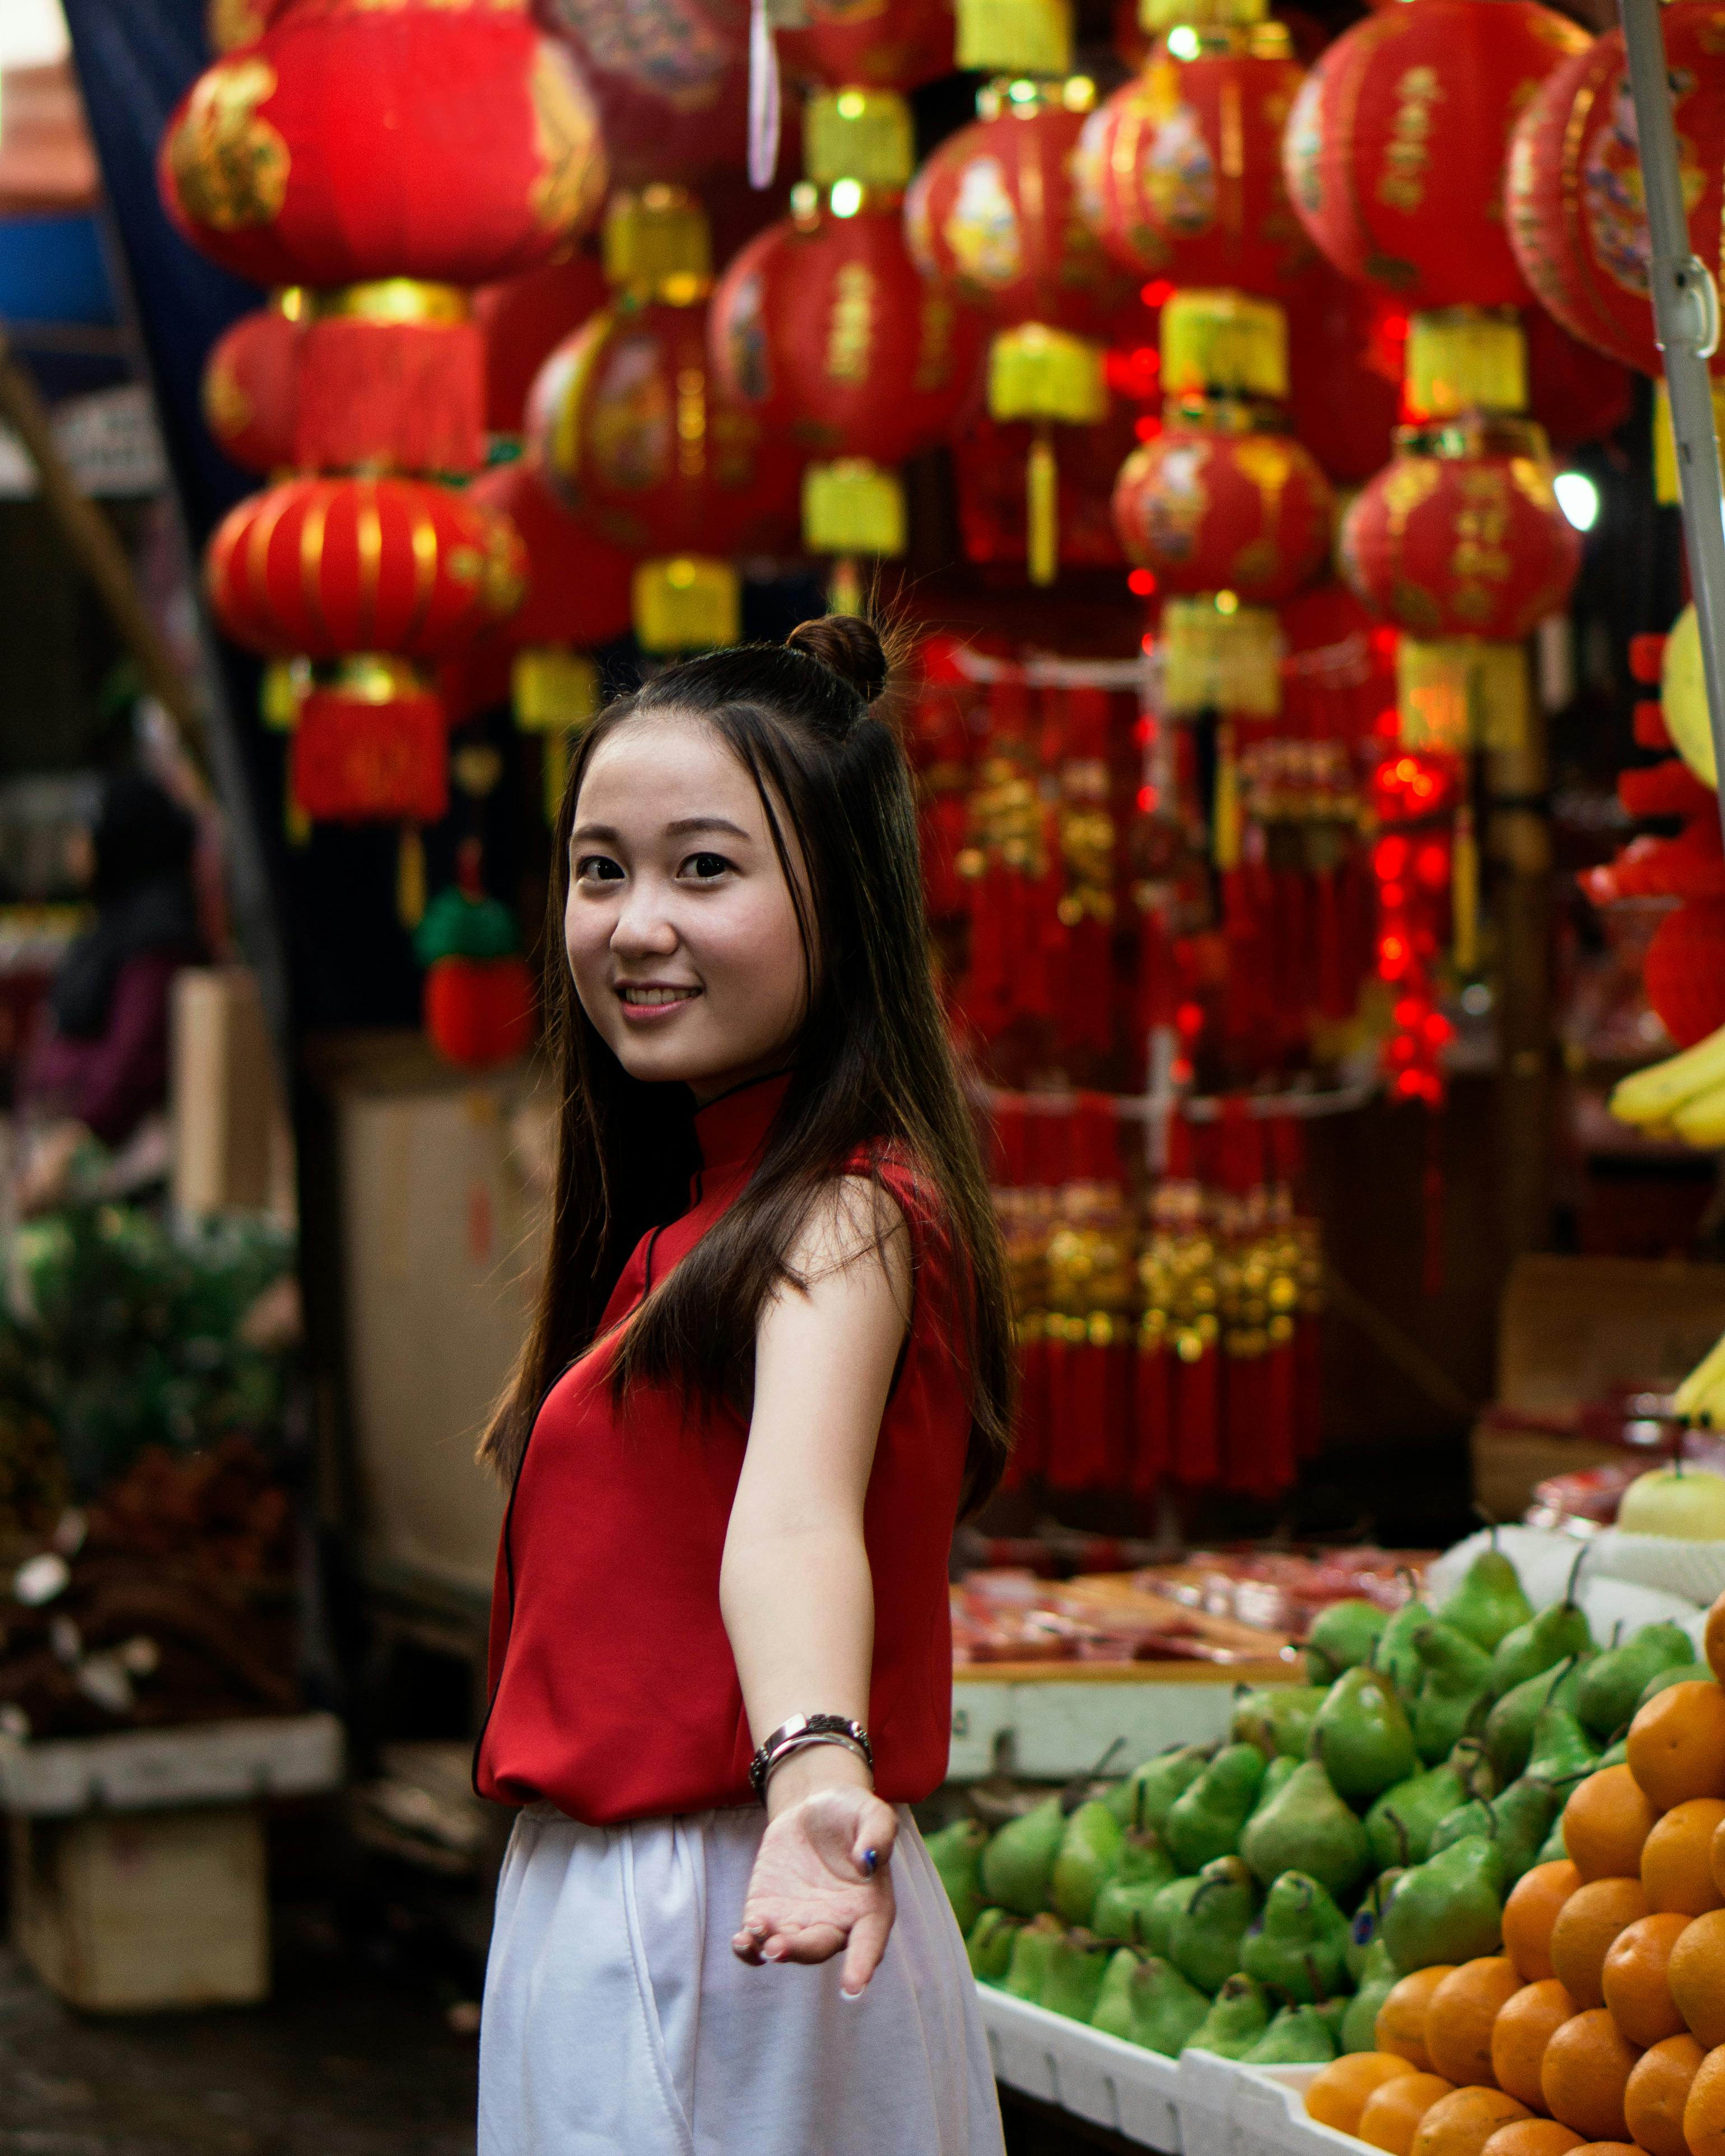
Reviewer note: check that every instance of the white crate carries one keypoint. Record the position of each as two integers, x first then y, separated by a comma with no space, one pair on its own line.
147,1770
1122,2086
1271,2102
1208,2086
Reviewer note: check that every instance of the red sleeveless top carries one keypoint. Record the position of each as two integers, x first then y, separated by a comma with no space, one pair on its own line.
614,1691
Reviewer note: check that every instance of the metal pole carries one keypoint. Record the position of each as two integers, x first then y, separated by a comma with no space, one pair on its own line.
1686,321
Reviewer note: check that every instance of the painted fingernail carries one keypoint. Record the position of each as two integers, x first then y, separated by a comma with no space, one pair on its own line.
852,1995
871,1859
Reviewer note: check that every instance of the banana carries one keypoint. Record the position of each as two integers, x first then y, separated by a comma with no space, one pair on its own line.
1700,1121
1653,1096
1697,1392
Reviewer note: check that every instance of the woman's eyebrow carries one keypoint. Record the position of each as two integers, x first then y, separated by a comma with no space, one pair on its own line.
685,825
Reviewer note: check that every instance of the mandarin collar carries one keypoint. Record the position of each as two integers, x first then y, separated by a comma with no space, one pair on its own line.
733,1128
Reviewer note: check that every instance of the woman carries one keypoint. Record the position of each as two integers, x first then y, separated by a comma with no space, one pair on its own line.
749,1412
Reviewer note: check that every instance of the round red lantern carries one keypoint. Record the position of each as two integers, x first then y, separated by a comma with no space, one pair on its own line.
1180,172
1683,970
875,44
670,79
1217,503
577,585
633,432
1573,197
352,143
478,1002
1346,344
1461,536
320,568
522,320
1396,145
249,387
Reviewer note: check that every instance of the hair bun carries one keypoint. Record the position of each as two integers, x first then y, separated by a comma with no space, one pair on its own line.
850,647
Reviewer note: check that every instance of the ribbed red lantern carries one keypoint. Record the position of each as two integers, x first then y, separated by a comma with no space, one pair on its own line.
633,432
1462,535
1683,970
1396,146
875,44
1180,172
670,79
1215,504
522,320
250,387
319,568
1572,198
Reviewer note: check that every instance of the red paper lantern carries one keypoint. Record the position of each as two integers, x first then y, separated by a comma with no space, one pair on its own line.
320,568
1575,392
992,215
1462,535
353,143
229,23
822,325
578,584
1396,146
522,320
873,44
370,746
1572,198
1180,172
1209,511
670,79
1683,970
249,388
1345,349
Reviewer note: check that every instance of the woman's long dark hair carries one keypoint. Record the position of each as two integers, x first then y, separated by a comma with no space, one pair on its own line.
872,1063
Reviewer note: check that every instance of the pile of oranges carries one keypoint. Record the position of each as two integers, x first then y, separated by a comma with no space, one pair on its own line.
1601,2026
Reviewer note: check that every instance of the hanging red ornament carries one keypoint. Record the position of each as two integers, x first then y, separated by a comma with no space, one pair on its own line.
873,44
1573,197
633,432
670,79
1396,146
1180,172
1345,348
250,385
991,464
522,320
1218,503
478,1003
1683,970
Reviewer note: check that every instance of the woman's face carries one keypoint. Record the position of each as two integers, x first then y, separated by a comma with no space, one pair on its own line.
682,933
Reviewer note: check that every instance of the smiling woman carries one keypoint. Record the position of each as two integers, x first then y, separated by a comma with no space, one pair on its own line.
750,1409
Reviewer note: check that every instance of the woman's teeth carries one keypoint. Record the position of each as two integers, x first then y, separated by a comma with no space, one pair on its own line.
657,995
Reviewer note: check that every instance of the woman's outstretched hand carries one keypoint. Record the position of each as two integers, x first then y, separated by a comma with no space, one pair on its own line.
822,1883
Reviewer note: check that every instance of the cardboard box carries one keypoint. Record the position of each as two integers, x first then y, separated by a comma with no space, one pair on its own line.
231,1141
1573,1331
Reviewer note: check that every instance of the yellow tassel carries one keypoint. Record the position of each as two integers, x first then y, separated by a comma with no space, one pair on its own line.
852,506
1667,489
1036,372
1455,694
1464,894
844,594
286,682
862,134
1224,810
1223,344
1015,36
1217,655
1465,359
1156,16
688,603
553,690
1042,508
659,241
410,877
295,823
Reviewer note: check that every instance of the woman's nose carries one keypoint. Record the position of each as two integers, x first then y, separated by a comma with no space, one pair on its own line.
644,925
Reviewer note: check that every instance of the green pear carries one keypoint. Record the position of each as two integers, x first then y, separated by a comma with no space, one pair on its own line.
1472,1762
1448,1909
1523,1816
1277,1775
1489,1603
1473,1817
1398,1826
1297,1947
1455,1673
1333,2013
1033,1950
1166,2010
956,1850
1234,2023
1687,1673
1342,1636
1551,1636
1298,2036
1123,1909
1508,1731
1362,1931
1277,1718
1377,1978
1159,1781
1551,1850
1088,1858
1393,1655
1205,1821
1205,1938
1166,1904
1113,2011
1611,1690
1305,1827
989,1945
1073,1981
1143,1860
1560,1753
1361,1736
1018,1864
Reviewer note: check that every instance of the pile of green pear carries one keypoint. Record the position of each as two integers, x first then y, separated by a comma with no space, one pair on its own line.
1257,1898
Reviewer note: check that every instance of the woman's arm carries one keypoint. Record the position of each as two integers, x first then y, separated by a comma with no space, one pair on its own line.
795,1587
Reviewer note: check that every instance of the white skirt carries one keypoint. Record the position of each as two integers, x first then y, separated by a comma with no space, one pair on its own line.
617,2022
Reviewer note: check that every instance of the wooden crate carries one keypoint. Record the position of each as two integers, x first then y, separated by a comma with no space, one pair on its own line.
136,1912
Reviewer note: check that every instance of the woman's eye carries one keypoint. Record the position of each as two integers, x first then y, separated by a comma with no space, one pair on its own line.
597,868
704,867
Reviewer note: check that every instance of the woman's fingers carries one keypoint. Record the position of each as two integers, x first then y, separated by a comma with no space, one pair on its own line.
872,1850
805,1942
868,1943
